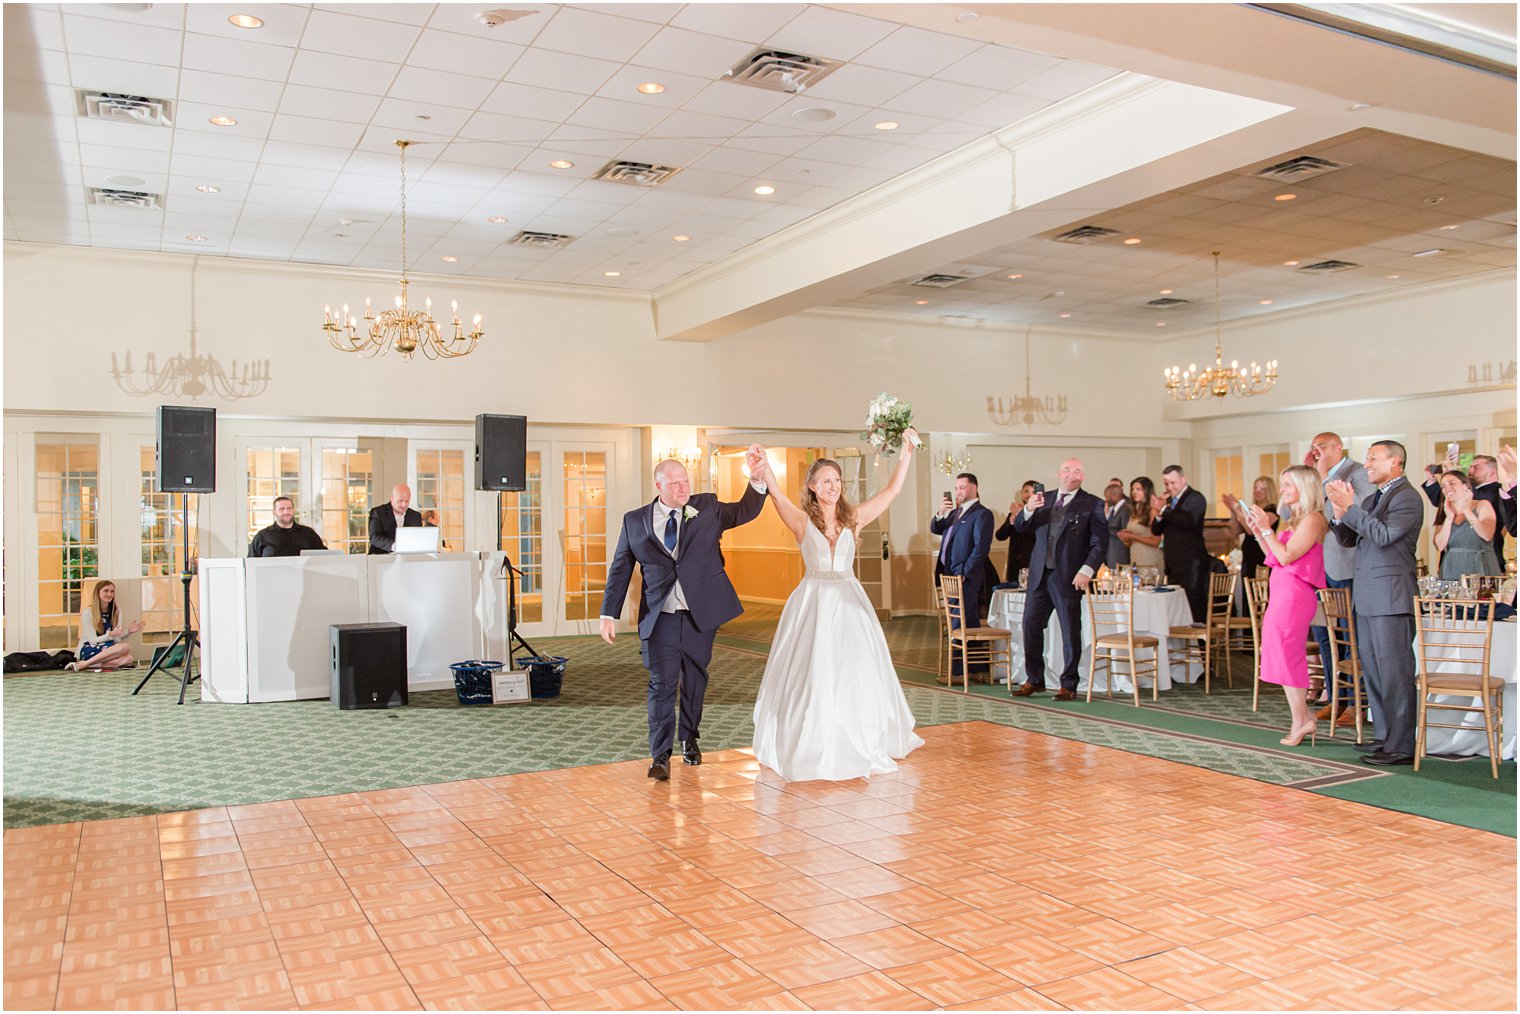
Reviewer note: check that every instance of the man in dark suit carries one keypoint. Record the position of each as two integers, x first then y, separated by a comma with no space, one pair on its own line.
1178,519
966,540
1507,488
1116,517
1385,529
1071,541
385,519
1484,476
686,598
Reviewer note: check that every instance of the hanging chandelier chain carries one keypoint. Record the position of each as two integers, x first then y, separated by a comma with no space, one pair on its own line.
1219,380
402,145
1028,410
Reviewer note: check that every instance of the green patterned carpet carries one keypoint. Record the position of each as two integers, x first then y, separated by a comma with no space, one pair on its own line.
80,747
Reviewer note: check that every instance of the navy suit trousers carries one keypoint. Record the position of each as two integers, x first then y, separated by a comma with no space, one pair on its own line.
1066,602
676,655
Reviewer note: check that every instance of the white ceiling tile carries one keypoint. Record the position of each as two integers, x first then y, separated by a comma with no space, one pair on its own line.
1064,81
916,51
343,73
616,196
122,135
765,137
447,173
511,99
832,34
38,66
94,36
724,98
327,104
685,126
679,88
223,145
294,155
849,151
287,190
561,71
407,14
400,116
224,89
1002,110
659,151
538,184
123,77
126,160
589,33
214,171
691,52
243,57
42,23
437,87
282,26
998,67
485,154
617,117
863,85
329,32
696,181
944,99
751,23
461,54
460,19
740,163
506,129
196,116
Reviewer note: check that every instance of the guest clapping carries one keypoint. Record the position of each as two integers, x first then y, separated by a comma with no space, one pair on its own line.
1263,496
1022,543
1144,547
1179,521
103,632
1466,540
1483,479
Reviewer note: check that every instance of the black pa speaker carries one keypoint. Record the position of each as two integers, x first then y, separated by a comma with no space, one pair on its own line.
501,452
368,665
186,450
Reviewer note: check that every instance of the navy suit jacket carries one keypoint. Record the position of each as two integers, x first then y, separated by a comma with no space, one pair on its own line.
967,557
1181,529
1082,540
697,563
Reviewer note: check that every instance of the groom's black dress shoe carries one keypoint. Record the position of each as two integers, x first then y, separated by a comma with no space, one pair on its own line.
1388,760
693,753
660,769
1367,747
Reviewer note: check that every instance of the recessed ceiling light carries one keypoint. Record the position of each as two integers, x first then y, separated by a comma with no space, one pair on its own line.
1060,292
560,163
1015,277
1132,241
1359,106
127,182
207,188
765,191
651,88
246,21
621,232
1065,315
1265,302
196,239
496,219
612,274
1167,292
224,121
681,239
1161,323
888,125
1393,278
1290,264
1286,197
1434,199
1431,252
965,17
1448,228
814,114
448,258
920,302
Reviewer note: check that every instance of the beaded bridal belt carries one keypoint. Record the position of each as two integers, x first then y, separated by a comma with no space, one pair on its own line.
830,575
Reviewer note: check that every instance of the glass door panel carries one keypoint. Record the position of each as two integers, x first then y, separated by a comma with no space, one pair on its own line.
521,521
163,552
68,484
271,471
439,494
583,538
348,492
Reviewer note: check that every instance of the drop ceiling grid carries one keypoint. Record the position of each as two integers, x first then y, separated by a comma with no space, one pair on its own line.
321,93
1378,213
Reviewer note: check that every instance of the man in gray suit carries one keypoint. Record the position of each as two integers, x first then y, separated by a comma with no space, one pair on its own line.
1327,456
1116,513
1385,530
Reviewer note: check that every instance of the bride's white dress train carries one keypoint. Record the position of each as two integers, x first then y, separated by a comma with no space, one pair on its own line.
830,706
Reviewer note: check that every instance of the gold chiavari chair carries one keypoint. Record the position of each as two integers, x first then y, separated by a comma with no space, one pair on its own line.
1256,606
976,644
1115,642
1201,644
1341,625
1453,648
944,631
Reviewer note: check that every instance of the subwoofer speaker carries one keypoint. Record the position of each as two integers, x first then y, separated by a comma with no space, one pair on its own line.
501,452
186,450
368,665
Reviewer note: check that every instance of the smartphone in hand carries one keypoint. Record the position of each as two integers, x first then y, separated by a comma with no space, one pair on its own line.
1036,489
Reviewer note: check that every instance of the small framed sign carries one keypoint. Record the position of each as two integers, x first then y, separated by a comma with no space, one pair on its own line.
510,688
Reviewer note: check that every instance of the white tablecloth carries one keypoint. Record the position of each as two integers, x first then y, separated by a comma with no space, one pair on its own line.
1470,741
1155,614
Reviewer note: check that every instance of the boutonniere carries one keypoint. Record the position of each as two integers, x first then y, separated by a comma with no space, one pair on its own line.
689,512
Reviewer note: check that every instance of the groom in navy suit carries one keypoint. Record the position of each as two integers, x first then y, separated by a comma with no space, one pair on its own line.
686,598
966,539
1070,543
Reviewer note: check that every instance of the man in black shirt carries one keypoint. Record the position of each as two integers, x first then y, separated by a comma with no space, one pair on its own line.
284,537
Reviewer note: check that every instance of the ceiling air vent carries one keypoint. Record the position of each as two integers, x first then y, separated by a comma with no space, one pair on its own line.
1167,302
123,108
637,174
940,281
779,71
1301,168
1085,234
106,197
1328,267
540,239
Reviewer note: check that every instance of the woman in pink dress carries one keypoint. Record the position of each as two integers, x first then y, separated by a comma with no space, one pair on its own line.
1296,555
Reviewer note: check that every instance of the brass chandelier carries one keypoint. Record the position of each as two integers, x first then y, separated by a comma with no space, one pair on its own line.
1219,381
404,329
1026,409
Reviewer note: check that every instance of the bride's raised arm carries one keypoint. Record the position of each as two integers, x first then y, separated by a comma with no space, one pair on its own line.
877,505
794,517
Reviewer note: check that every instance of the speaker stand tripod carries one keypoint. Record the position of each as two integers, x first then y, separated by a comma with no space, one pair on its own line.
512,574
186,637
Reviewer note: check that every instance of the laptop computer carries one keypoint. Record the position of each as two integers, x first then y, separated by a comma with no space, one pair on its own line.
417,540
323,552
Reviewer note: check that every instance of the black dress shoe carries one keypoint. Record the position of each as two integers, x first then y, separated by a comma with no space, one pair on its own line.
692,754
1028,690
1388,760
660,769
1065,695
1368,747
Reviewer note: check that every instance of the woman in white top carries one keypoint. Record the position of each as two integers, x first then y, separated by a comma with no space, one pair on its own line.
103,633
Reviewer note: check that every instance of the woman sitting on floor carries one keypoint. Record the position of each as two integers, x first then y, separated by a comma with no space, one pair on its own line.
103,634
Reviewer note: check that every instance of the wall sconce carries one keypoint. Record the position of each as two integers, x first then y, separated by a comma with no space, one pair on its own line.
951,465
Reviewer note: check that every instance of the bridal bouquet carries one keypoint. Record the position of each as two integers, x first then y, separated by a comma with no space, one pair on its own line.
886,420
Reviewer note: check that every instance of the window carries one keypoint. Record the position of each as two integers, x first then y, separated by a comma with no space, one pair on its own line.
68,484
348,479
1272,465
163,548
439,496
272,472
585,533
1227,479
522,538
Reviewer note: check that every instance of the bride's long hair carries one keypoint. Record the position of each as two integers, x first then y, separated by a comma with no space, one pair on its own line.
844,510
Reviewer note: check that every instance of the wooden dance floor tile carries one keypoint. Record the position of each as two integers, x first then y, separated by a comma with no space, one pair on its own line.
998,869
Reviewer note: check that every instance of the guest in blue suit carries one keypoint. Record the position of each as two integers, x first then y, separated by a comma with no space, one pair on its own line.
1071,541
965,528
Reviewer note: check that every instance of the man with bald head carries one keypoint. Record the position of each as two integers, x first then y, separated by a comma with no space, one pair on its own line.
385,519
1070,543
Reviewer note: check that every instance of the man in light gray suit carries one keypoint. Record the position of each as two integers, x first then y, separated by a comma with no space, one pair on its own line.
1385,530
1116,513
1327,456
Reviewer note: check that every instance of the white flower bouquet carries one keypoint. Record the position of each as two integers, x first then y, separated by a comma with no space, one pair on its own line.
886,420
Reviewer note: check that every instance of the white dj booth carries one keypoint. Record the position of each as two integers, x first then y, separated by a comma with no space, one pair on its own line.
264,622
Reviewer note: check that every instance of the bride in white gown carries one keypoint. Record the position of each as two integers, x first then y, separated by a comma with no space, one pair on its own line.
830,706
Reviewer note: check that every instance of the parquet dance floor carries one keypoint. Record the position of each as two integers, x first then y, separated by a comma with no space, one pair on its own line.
997,869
